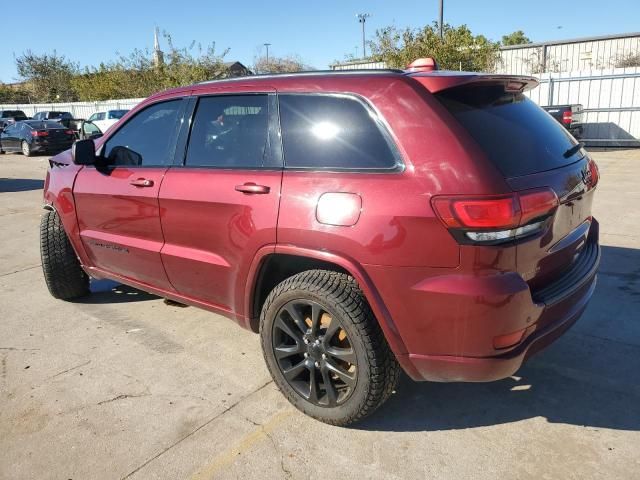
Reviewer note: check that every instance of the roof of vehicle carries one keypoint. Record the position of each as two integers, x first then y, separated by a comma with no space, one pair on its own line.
434,80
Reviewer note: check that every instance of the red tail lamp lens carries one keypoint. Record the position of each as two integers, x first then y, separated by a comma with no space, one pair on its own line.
478,212
495,213
567,117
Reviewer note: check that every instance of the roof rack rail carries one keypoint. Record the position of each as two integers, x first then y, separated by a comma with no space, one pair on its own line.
370,71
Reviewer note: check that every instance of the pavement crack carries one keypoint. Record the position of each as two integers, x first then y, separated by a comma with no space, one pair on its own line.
20,270
18,349
122,397
70,369
194,431
287,473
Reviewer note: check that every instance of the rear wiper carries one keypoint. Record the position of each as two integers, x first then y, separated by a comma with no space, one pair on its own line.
572,150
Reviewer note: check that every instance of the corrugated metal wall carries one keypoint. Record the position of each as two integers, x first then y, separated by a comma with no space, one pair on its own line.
610,97
566,56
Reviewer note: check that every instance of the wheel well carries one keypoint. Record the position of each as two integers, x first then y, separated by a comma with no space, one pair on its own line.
278,267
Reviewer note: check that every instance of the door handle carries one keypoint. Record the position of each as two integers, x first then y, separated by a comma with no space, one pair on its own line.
252,188
141,182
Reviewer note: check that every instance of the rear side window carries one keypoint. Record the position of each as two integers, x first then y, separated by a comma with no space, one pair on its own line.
231,131
518,136
146,139
333,132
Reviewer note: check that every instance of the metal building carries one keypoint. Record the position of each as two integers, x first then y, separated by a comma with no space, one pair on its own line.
589,53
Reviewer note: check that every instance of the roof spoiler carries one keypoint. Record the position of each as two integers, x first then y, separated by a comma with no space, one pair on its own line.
440,80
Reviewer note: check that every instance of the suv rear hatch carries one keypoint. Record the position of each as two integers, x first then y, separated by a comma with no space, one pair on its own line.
532,151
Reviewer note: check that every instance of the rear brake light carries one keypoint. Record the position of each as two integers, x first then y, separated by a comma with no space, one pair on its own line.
69,132
594,174
39,133
567,117
496,219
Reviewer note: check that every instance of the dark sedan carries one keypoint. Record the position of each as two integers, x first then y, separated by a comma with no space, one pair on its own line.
35,136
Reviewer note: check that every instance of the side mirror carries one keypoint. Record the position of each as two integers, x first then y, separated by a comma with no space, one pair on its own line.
83,152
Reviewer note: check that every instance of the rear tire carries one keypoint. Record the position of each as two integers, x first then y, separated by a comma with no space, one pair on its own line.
337,374
26,149
63,274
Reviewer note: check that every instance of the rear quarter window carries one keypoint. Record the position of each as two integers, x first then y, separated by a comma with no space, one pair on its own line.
334,132
517,136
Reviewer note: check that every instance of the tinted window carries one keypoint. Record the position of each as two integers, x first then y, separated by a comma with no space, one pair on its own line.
321,131
231,131
17,114
146,139
117,114
43,124
519,137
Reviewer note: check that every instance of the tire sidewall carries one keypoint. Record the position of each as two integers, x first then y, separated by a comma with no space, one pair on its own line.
331,414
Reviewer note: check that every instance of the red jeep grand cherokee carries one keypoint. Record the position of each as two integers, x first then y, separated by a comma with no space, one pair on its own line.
360,221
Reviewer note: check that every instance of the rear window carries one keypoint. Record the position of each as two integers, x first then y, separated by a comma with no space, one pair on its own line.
17,114
333,132
518,136
45,124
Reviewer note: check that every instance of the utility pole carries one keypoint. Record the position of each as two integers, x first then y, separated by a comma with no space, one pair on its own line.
441,18
362,18
267,45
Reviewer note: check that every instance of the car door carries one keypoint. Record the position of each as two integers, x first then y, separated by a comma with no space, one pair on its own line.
221,205
10,138
117,200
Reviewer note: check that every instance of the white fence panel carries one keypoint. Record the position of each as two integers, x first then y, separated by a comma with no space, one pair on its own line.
610,97
77,109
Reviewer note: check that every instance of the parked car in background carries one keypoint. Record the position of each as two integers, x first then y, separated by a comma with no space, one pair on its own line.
36,136
51,115
103,120
11,116
570,116
360,221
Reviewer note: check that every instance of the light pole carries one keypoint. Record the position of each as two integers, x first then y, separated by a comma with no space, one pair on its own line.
441,17
267,45
362,18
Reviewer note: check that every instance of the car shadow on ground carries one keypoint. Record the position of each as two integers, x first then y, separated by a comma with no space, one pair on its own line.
11,185
589,377
108,291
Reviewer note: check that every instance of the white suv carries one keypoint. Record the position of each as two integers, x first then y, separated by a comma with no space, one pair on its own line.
103,120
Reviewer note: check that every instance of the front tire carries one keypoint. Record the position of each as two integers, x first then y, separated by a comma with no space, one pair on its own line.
63,274
26,149
324,348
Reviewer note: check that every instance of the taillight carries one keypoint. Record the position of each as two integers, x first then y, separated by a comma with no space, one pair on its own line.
39,133
594,174
69,132
567,117
496,219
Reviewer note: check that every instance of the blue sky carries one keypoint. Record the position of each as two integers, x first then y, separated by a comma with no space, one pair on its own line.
320,32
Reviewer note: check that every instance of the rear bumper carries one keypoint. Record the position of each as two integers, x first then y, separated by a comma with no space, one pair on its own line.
470,369
450,323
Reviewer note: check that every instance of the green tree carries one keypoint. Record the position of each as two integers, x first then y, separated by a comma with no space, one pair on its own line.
288,64
458,49
47,76
138,75
515,38
13,94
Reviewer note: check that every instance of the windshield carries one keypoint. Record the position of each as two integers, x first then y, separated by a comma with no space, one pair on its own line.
517,135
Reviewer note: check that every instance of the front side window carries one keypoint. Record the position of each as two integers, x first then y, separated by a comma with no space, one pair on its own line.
146,139
231,131
333,132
